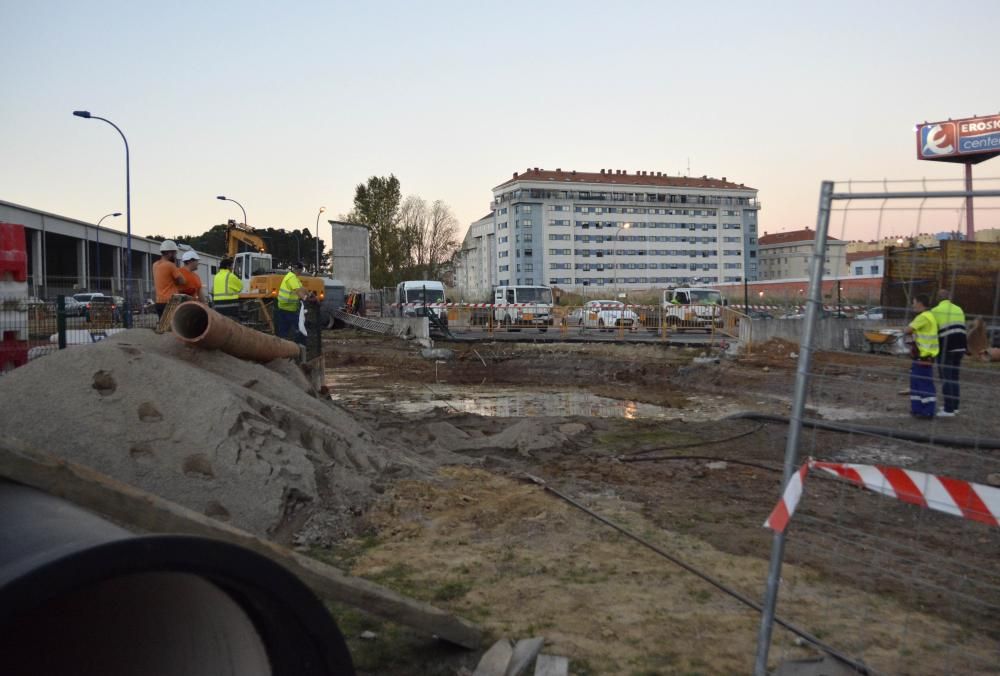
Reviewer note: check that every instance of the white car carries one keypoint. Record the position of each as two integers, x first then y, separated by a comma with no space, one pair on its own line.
606,315
872,313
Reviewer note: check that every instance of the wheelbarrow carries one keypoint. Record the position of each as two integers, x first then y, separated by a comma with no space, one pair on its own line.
885,341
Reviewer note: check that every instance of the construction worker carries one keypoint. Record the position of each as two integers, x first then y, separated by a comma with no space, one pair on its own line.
192,285
226,289
167,279
290,297
953,343
924,329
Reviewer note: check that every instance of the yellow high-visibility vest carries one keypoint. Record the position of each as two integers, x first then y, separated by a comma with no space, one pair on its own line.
226,286
951,325
925,334
287,298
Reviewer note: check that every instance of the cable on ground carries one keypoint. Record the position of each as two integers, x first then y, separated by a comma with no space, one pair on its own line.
874,430
859,666
695,444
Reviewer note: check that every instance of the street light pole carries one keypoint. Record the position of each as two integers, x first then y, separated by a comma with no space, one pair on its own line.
97,246
227,199
128,214
321,210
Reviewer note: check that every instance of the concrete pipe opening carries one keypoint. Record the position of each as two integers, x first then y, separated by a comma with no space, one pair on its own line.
163,624
190,321
80,595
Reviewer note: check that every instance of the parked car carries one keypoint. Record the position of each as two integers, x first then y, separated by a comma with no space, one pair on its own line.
85,297
606,314
871,313
102,300
759,314
74,308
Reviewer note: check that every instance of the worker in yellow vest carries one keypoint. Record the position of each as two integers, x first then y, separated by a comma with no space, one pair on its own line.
924,329
953,344
290,297
226,288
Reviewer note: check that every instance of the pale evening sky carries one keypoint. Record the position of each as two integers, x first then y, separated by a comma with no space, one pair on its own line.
286,107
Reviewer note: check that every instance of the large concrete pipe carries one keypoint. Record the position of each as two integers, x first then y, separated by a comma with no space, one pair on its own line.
79,595
198,324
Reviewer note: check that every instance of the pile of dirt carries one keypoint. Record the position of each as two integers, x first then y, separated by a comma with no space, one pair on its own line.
238,441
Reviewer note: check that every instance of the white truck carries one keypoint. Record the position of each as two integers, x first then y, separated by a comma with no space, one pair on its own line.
516,307
420,298
692,307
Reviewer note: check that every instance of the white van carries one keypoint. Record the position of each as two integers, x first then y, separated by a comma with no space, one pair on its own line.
518,306
693,307
413,298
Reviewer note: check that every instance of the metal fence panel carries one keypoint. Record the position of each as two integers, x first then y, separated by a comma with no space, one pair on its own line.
919,587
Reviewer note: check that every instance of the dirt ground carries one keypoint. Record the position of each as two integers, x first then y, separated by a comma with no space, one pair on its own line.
904,589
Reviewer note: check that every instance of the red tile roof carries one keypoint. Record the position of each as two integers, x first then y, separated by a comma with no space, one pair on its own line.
791,237
617,177
863,255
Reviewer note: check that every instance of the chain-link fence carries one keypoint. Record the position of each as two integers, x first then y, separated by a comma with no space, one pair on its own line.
892,461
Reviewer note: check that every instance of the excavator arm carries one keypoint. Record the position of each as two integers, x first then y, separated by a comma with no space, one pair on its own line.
236,234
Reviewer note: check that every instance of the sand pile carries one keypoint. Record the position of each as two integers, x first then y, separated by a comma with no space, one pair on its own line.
238,441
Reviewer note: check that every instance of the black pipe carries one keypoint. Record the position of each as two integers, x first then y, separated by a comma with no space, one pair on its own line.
80,595
874,430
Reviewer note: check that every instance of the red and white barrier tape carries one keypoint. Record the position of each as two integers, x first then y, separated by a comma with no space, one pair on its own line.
975,502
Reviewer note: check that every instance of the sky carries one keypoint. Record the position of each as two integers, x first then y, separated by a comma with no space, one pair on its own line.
286,107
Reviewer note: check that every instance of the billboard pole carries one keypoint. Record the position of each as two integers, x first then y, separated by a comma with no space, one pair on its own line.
970,225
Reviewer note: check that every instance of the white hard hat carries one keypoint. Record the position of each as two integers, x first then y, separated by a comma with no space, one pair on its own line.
168,245
189,256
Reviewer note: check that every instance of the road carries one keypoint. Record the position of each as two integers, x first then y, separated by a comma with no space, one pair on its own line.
693,338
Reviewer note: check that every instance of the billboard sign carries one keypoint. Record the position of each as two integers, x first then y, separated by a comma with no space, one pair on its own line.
972,139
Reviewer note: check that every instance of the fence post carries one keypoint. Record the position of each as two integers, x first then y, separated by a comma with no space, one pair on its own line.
795,425
61,320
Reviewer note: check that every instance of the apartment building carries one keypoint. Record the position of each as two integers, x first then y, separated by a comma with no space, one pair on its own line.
475,262
786,255
621,230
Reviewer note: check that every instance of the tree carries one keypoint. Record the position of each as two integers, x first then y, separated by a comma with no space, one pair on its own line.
284,246
376,204
431,234
440,239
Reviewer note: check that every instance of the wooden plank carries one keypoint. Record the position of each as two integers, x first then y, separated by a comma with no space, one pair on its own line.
551,665
137,509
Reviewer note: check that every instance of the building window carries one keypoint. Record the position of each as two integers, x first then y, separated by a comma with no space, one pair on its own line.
874,270
859,269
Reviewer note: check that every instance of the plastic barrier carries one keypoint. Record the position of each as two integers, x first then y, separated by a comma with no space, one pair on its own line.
13,253
13,352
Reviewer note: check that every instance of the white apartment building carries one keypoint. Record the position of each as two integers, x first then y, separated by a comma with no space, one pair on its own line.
621,230
475,262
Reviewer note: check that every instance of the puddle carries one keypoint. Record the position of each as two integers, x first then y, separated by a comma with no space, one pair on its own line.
361,386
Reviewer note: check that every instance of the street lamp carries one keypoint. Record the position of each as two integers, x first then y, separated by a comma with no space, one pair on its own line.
614,253
128,215
227,199
97,246
318,214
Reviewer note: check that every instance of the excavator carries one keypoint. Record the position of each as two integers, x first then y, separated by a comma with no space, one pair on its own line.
256,268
